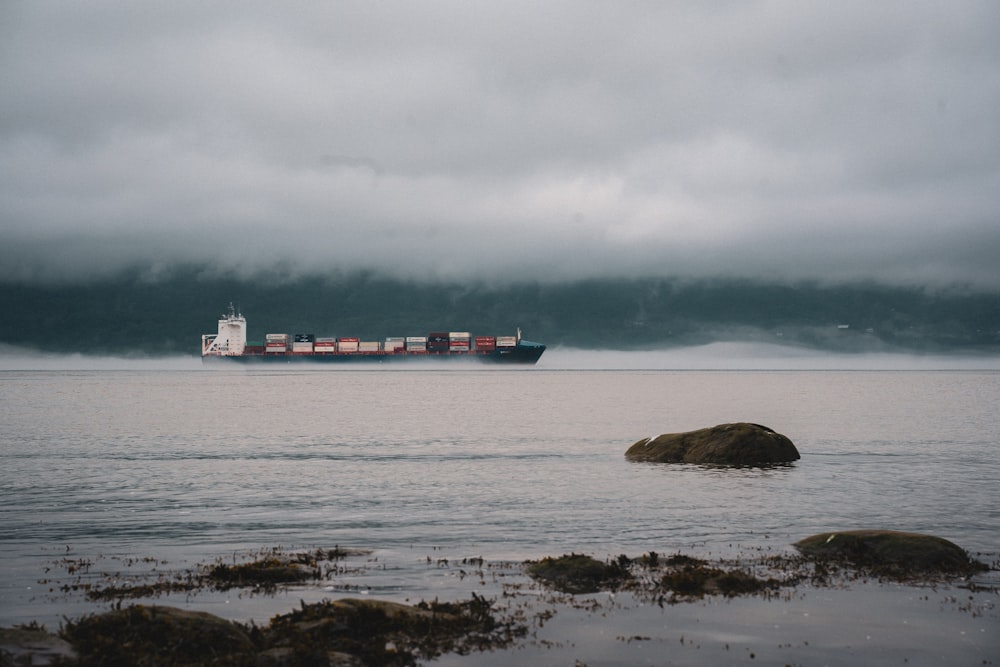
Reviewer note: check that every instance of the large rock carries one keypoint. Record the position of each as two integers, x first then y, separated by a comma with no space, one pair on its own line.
577,573
158,635
740,444
340,633
891,552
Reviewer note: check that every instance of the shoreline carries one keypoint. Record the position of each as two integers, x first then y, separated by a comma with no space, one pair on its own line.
845,616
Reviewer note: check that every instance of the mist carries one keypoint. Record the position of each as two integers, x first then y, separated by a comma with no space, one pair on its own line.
711,357
16,358
757,357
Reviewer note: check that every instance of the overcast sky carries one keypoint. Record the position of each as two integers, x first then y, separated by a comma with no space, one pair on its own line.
503,140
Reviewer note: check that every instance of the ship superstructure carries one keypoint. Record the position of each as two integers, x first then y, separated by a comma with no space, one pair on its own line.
231,341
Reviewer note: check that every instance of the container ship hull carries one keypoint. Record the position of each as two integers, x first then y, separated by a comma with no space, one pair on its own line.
525,353
230,346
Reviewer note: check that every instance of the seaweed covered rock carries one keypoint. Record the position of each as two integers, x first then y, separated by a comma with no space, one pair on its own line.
158,635
739,444
688,578
890,552
340,632
379,632
266,573
577,573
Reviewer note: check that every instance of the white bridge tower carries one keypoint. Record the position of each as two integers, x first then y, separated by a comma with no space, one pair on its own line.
230,340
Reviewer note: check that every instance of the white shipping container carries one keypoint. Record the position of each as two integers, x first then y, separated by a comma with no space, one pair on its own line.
394,343
276,337
368,346
506,341
459,335
302,347
347,346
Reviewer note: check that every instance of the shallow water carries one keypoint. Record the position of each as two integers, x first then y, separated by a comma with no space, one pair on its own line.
436,463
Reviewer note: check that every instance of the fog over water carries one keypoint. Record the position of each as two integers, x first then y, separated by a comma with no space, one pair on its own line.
756,356
715,356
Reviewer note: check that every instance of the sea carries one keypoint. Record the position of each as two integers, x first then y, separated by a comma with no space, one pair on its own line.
116,467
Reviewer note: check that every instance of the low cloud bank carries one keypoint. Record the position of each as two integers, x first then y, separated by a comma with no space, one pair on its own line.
757,356
503,142
14,358
711,357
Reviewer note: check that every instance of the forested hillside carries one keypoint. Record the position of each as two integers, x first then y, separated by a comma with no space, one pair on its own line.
133,315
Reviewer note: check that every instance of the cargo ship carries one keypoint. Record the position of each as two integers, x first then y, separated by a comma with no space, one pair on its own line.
230,345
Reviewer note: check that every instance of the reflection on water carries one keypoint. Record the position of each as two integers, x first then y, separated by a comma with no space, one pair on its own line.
190,465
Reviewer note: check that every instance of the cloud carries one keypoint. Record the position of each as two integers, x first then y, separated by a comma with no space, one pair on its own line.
500,142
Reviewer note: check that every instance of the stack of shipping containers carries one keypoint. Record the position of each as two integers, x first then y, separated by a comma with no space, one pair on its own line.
506,341
303,343
459,341
275,343
440,342
325,345
437,341
347,344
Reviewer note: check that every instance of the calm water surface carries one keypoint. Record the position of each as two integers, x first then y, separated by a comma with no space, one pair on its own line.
492,462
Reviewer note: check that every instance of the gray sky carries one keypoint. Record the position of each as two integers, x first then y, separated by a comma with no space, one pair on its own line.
503,141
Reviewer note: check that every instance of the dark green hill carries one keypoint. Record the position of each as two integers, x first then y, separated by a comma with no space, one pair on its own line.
129,315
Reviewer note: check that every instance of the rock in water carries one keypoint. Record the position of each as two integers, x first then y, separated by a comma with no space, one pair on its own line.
158,635
891,552
740,444
577,573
